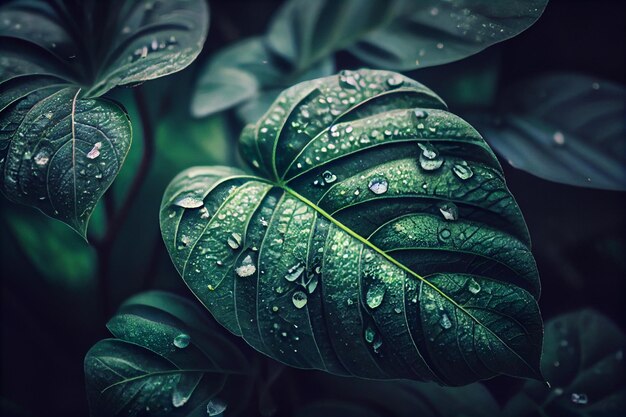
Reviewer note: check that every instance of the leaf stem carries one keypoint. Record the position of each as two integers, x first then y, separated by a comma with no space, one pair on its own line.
104,246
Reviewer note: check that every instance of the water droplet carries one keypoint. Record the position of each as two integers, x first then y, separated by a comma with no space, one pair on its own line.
558,391
375,295
187,201
378,185
449,211
579,398
348,79
444,234
299,299
246,268
312,285
369,334
440,45
473,286
395,81
234,241
294,272
179,399
445,321
420,114
215,407
42,158
95,151
182,341
377,344
429,157
558,138
462,170
329,177
204,213
398,310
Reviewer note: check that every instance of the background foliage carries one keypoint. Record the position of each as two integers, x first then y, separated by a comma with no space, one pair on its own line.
52,293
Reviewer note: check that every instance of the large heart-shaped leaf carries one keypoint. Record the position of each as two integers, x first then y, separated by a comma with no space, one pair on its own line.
562,127
60,145
379,240
399,34
163,361
583,359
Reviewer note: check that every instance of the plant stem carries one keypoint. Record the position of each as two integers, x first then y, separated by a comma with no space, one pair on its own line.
104,246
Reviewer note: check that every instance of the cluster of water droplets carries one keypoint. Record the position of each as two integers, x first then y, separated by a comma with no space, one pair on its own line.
153,46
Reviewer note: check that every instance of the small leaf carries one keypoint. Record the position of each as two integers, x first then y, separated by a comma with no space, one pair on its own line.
565,128
64,155
395,209
159,363
400,34
583,359
60,145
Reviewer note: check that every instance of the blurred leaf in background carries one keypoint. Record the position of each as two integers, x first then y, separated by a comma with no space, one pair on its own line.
563,127
303,37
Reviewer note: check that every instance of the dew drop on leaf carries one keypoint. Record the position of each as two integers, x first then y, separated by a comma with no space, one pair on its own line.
473,286
449,211
234,241
182,340
215,407
579,398
445,321
294,272
312,284
429,158
375,295
558,138
444,234
369,334
377,344
95,151
246,268
187,201
299,299
462,170
378,185
42,158
329,177
348,79
179,399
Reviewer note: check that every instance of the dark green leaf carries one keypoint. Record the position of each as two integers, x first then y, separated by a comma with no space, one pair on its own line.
400,34
47,54
64,155
566,128
163,360
583,359
249,75
379,240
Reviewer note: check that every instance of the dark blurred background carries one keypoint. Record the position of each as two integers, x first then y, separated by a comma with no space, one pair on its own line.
578,233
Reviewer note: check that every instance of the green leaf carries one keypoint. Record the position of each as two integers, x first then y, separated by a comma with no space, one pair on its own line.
247,74
563,127
379,239
163,360
400,34
64,155
340,396
56,61
583,359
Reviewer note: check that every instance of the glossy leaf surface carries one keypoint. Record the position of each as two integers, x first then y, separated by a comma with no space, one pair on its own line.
162,361
378,239
60,145
400,34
